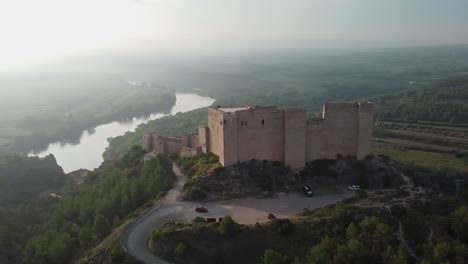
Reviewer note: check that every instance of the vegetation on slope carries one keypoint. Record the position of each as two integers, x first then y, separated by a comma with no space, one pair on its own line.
181,123
21,211
43,109
87,213
202,164
425,126
393,226
441,101
309,79
22,179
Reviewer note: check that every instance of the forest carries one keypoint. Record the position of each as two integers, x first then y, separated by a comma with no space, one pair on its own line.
444,100
83,214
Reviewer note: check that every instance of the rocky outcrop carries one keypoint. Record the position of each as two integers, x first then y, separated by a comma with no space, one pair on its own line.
263,178
371,172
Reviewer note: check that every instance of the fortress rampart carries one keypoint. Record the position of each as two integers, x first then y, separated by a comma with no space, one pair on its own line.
184,146
241,133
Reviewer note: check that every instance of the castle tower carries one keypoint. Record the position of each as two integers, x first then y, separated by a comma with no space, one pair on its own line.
366,120
147,143
294,137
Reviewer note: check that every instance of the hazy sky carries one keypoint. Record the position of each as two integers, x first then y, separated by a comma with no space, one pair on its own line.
36,30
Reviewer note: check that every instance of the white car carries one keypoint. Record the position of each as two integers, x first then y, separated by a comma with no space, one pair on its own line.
354,187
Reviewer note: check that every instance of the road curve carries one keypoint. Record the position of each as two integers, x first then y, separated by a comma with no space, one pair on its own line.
136,235
245,211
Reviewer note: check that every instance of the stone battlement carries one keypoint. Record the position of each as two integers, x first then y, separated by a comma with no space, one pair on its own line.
241,133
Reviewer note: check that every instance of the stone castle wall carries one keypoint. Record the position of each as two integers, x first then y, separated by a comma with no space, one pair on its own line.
216,133
260,133
241,133
285,135
341,129
186,145
366,121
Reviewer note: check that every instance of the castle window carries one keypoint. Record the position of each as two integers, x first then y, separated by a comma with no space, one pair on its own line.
242,123
245,123
224,121
263,121
220,122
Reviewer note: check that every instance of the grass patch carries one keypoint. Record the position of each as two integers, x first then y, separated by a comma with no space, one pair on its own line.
423,158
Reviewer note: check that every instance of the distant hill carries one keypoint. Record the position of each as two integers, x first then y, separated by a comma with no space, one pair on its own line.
445,100
22,179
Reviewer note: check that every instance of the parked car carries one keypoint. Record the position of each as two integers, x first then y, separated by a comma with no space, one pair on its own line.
307,191
201,210
354,187
271,217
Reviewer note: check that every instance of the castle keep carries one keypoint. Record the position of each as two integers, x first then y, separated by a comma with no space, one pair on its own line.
241,133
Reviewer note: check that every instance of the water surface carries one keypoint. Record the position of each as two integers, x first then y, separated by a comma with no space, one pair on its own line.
87,154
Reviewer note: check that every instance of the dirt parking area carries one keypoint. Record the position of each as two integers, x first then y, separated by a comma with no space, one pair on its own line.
251,210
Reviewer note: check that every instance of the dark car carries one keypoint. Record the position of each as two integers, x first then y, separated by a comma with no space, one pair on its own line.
201,210
271,217
307,191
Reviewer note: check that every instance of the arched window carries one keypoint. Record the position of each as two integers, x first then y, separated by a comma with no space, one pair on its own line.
263,121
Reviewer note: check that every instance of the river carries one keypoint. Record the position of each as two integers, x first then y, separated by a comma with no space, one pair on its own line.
87,154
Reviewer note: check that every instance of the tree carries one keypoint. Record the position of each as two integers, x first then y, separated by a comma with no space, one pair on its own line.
101,227
398,257
228,226
339,210
459,222
124,204
85,236
354,251
322,252
180,250
272,257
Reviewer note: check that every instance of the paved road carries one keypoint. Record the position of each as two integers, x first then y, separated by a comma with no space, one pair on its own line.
245,211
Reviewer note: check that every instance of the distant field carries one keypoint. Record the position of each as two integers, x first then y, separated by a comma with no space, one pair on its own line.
429,146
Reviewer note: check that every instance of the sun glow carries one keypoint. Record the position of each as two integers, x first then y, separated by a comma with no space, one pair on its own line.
33,30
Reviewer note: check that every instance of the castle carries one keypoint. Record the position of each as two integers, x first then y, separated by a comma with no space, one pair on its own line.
241,133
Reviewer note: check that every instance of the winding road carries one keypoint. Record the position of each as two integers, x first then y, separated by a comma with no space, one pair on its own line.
244,211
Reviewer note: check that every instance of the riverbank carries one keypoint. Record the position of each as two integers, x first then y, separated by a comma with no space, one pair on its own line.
87,152
58,117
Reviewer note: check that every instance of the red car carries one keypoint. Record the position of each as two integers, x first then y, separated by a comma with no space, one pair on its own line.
201,210
271,217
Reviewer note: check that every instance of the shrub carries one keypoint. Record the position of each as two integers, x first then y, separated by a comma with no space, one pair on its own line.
282,226
173,156
228,226
361,194
180,250
199,219
338,211
195,193
117,255
272,257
